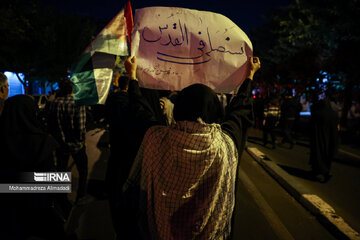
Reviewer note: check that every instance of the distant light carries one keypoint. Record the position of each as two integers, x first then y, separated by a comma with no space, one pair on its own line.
325,80
56,86
305,113
313,88
340,87
321,96
317,79
15,86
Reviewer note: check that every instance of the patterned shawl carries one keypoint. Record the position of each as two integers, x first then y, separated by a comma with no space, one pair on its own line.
187,176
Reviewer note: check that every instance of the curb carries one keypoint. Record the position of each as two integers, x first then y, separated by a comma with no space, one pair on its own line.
355,154
313,203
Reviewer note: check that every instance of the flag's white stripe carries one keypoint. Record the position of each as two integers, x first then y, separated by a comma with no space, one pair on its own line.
103,79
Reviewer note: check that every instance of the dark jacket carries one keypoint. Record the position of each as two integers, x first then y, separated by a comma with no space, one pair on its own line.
290,109
324,136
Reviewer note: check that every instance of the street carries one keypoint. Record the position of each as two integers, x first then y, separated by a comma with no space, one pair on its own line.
71,69
264,210
342,191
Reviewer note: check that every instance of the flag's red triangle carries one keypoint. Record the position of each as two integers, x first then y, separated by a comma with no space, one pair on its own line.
129,21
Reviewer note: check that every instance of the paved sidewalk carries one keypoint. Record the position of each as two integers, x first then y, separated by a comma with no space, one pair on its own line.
291,169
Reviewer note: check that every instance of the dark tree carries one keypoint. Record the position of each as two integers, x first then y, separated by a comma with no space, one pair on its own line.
39,41
308,36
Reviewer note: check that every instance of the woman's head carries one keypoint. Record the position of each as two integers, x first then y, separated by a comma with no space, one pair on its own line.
198,101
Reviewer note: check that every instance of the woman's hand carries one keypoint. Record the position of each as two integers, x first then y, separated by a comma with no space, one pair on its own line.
131,66
253,67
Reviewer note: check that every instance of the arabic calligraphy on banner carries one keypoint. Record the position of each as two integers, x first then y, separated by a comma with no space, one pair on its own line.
177,47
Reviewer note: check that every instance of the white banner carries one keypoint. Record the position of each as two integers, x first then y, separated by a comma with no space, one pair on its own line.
177,47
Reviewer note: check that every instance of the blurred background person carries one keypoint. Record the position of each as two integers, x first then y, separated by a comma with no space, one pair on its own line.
324,127
258,106
25,147
66,123
290,110
271,121
4,90
129,112
353,117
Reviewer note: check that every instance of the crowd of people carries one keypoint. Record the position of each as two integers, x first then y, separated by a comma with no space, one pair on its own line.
280,118
173,159
172,167
26,147
272,114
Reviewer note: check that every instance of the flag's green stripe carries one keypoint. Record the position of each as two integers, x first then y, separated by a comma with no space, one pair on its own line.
85,91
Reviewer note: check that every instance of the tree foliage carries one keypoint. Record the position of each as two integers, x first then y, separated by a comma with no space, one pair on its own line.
39,41
307,36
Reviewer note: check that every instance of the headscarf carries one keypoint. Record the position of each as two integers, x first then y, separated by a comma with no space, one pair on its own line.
23,144
198,101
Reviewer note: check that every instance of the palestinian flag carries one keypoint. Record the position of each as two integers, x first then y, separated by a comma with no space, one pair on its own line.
93,72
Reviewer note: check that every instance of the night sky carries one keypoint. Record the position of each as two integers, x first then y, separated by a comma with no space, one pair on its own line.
246,14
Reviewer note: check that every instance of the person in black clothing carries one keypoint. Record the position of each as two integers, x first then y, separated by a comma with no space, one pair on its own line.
129,112
324,125
118,117
258,110
290,110
66,123
197,112
152,97
4,90
271,121
25,147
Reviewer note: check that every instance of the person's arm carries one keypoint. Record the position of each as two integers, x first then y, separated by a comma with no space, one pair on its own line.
239,113
139,105
131,67
239,116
